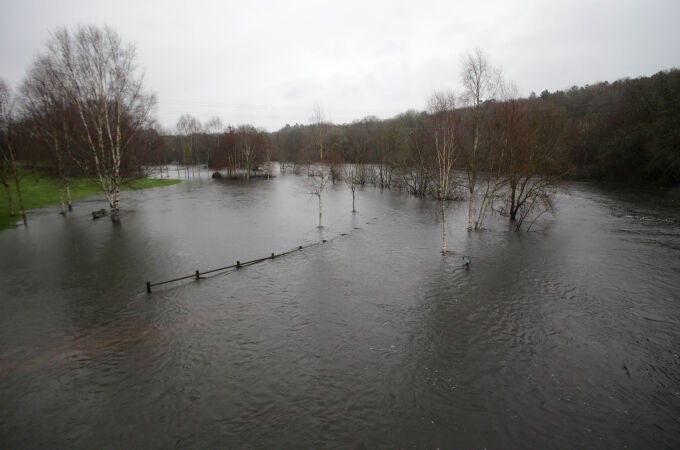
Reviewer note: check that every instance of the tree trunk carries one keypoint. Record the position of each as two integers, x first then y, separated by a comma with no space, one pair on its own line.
21,205
320,209
513,206
471,210
68,195
10,199
353,202
62,205
443,217
482,211
115,205
472,177
17,182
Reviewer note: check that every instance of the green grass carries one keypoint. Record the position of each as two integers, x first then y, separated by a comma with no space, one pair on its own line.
44,191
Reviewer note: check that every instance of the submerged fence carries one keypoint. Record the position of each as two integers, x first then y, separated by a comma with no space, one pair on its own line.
197,275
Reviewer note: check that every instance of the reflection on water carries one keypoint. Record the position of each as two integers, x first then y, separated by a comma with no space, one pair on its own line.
567,337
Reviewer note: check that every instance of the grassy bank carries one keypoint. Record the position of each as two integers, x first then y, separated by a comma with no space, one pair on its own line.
44,191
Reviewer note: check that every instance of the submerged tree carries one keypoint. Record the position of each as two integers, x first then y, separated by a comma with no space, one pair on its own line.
351,175
533,133
248,139
492,157
480,81
188,127
226,156
443,127
98,75
214,128
318,179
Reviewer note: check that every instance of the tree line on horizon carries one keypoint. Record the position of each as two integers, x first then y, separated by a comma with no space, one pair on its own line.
82,110
624,131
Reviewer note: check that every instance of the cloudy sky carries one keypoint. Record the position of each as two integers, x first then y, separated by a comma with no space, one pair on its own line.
271,62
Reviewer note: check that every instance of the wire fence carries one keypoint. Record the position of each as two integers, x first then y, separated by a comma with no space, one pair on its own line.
197,274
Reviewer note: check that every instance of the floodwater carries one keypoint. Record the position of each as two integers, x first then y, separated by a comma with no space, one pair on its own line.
567,337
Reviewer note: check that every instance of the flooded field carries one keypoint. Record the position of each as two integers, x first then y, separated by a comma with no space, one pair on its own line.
568,337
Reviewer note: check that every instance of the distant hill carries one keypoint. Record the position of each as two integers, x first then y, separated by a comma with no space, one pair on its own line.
627,131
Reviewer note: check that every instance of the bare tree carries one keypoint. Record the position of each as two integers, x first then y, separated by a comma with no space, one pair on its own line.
5,180
417,168
317,181
5,161
7,149
480,81
354,170
247,142
491,184
188,127
6,176
227,154
497,147
214,127
334,162
443,133
352,173
49,112
267,155
98,75
533,131
320,130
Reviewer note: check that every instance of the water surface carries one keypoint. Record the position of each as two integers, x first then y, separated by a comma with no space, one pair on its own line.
562,338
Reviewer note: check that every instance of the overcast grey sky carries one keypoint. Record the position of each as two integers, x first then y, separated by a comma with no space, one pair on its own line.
270,62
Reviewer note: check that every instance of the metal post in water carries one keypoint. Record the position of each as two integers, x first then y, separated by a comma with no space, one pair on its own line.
272,256
197,275
148,287
238,264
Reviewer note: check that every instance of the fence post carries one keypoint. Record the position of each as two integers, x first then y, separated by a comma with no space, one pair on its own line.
197,275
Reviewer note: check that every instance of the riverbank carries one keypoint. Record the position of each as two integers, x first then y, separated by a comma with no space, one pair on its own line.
43,191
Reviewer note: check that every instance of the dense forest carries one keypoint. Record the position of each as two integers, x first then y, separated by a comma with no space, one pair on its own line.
626,131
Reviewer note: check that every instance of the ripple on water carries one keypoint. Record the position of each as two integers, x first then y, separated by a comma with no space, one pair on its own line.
564,338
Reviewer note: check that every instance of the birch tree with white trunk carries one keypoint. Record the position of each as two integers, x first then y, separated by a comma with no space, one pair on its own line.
352,177
443,128
99,76
480,82
318,180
